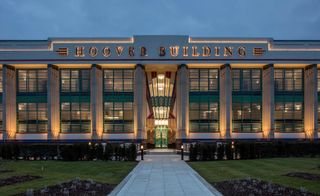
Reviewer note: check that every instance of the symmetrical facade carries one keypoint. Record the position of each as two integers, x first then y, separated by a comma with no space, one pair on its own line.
159,89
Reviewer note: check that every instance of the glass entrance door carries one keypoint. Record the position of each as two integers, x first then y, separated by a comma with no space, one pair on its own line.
161,136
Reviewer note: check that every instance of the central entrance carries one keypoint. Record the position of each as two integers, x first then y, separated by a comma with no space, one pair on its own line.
161,136
161,100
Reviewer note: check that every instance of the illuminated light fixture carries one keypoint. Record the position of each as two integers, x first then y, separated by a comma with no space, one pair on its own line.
161,76
161,122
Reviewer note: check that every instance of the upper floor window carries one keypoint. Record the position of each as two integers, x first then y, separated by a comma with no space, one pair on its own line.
288,80
32,80
1,88
75,80
246,79
118,80
204,80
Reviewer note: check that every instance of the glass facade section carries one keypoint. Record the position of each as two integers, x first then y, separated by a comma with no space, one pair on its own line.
32,117
204,80
289,100
118,80
1,88
75,101
118,117
75,117
204,100
32,81
75,80
246,100
118,100
32,100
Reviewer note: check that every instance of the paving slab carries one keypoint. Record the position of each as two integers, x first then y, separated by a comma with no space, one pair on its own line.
163,174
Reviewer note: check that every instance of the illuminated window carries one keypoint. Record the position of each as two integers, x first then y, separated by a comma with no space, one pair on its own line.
1,88
246,116
118,117
289,116
204,80
32,80
75,117
32,117
1,128
246,79
204,116
75,80
118,80
288,80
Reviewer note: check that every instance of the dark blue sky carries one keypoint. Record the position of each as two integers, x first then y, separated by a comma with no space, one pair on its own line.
40,19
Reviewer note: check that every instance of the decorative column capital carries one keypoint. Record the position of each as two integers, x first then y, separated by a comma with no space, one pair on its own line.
53,66
182,66
96,66
139,65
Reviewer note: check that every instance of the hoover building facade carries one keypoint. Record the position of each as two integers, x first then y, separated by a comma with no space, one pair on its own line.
158,89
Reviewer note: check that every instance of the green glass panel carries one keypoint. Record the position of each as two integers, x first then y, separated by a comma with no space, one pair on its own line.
32,99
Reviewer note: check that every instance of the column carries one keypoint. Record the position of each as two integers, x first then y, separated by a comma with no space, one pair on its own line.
311,102
9,102
225,101
96,97
140,103
268,101
53,98
182,102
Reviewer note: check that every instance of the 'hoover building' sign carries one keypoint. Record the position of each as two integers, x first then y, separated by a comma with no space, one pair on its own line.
162,51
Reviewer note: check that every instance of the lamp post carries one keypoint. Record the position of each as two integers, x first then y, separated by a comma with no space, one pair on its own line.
182,157
141,148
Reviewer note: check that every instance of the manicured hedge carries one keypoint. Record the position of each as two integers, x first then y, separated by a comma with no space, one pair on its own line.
252,150
69,152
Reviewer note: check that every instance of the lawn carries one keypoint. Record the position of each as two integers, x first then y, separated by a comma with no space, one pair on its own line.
54,172
263,169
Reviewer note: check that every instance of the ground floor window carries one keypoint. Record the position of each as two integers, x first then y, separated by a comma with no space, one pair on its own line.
203,114
289,116
75,117
32,117
118,117
246,116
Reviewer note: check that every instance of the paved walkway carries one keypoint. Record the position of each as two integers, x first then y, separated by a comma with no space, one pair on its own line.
163,174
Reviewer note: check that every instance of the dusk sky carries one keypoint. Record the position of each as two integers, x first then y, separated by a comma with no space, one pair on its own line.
278,19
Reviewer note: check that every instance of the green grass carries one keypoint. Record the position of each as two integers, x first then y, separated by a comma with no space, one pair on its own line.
54,172
264,169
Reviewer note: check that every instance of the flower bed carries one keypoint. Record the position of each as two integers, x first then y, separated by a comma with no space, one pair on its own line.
247,187
303,175
17,179
74,187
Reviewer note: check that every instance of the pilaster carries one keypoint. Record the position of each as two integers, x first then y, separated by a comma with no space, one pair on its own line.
53,98
9,102
311,102
96,97
140,103
182,102
225,101
268,101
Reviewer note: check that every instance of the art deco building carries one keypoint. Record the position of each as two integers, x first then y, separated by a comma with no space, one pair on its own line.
158,89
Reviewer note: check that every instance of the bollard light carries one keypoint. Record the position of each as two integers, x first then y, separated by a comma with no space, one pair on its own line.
141,148
182,157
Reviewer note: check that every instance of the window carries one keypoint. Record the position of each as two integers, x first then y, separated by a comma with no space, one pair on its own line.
1,128
32,80
75,80
288,80
32,117
118,80
1,90
289,116
204,80
204,116
118,117
246,80
246,116
75,117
